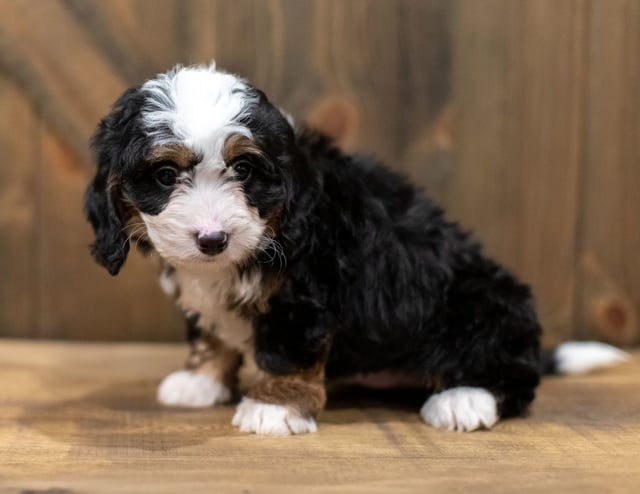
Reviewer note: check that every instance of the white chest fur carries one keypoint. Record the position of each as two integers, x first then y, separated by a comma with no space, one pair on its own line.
208,292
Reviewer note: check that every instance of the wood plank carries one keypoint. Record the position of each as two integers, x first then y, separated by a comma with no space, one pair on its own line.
82,418
114,45
356,54
198,27
139,38
518,76
426,116
72,92
293,80
609,304
19,127
79,299
117,31
235,53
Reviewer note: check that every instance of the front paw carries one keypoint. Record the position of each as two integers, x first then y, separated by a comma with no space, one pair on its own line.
275,420
192,389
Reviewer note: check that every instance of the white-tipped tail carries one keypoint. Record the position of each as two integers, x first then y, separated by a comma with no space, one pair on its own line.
576,357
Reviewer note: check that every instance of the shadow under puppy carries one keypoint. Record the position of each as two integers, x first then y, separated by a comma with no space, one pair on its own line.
295,263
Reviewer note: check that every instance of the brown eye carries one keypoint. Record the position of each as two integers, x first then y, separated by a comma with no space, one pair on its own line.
242,170
167,176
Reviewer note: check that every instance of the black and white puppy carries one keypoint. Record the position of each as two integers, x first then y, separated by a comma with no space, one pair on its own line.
296,263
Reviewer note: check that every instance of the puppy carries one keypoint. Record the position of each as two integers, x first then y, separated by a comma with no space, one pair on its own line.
295,263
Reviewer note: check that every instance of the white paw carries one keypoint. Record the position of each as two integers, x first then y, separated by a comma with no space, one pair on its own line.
191,389
265,418
461,409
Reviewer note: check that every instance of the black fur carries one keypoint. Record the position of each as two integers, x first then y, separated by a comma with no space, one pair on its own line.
193,331
375,278
116,139
379,280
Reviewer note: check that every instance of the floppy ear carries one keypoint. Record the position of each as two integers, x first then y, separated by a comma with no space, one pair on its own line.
102,201
111,245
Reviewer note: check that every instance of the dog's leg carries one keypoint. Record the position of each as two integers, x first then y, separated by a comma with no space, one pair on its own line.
208,378
287,388
282,404
478,401
489,359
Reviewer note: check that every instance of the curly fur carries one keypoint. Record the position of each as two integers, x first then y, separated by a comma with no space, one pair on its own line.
356,270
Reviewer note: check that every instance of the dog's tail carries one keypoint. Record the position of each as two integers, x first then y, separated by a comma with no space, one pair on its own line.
577,357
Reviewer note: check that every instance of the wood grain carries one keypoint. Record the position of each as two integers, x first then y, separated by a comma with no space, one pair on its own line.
136,38
195,23
70,96
521,118
19,186
426,117
82,418
356,54
610,238
518,72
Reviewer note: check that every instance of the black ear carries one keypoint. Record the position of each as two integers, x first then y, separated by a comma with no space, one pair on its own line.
111,245
102,201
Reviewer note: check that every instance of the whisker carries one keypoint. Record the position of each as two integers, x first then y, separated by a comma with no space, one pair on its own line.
136,231
272,248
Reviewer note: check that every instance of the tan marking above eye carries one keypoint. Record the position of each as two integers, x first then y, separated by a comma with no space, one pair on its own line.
180,155
237,145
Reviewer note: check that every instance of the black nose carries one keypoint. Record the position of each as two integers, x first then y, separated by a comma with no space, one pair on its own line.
212,243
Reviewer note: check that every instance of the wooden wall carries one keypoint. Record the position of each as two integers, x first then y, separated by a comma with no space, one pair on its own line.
521,117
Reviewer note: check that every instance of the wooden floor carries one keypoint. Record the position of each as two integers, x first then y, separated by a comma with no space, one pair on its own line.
81,418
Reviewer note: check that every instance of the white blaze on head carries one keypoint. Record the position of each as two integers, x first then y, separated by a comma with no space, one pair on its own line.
200,106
